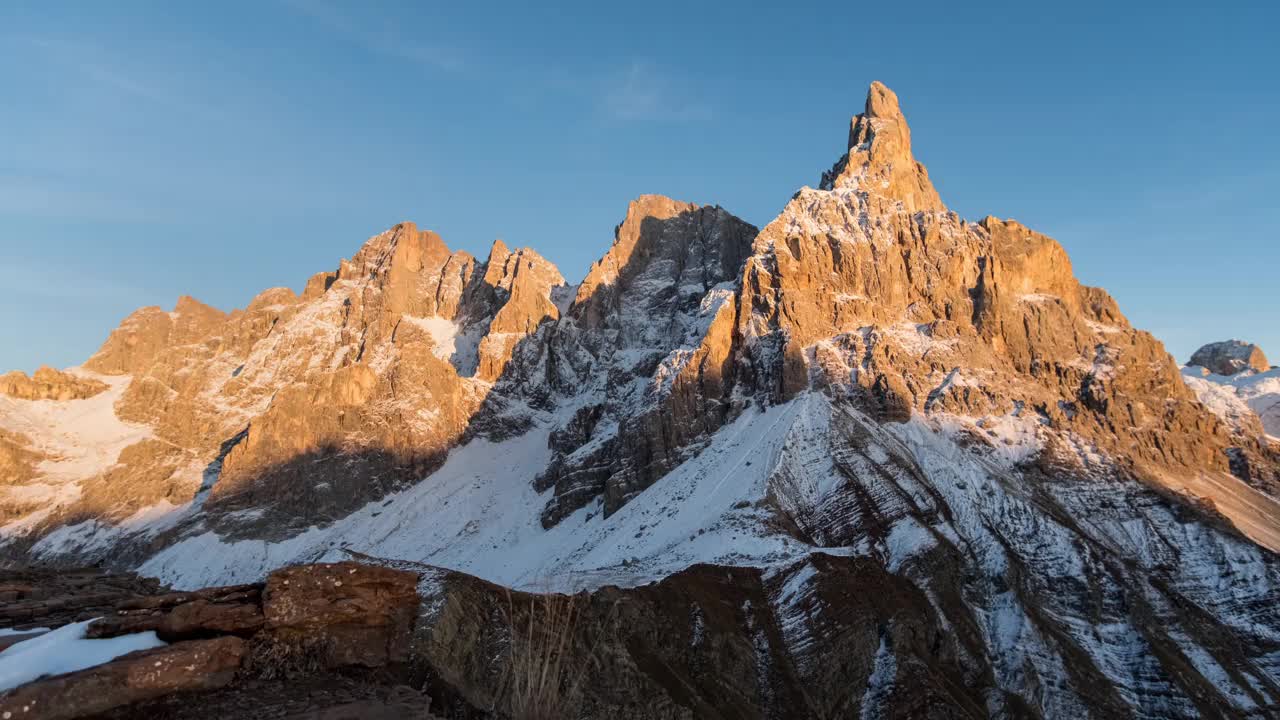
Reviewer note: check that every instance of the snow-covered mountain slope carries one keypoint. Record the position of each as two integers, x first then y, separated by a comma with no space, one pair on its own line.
869,388
1058,581
1238,397
57,446
480,513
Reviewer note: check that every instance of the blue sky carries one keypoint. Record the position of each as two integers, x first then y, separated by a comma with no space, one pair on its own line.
154,149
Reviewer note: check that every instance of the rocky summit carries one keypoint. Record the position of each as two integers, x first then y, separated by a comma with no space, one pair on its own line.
871,460
1230,357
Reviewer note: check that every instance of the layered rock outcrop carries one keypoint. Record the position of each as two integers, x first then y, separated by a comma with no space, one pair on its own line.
42,599
305,621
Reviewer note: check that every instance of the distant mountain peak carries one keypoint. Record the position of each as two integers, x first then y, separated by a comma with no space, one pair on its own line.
1229,357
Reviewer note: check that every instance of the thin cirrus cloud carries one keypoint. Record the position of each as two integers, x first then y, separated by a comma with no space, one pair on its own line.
42,196
643,91
25,280
386,40
62,168
107,73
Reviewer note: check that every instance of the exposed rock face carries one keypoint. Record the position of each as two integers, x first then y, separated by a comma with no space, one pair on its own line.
880,160
146,333
861,292
419,332
871,290
49,384
521,284
1230,357
628,353
362,615
18,461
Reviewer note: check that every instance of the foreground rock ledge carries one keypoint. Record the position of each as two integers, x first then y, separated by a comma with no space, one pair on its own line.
138,676
830,636
306,619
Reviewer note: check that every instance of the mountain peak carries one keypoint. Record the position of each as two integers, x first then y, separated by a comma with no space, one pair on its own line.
498,251
882,103
188,305
879,160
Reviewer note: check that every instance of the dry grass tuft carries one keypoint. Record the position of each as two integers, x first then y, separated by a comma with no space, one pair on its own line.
274,657
543,677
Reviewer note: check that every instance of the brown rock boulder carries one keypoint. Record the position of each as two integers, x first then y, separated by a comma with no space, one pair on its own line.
138,676
203,617
363,615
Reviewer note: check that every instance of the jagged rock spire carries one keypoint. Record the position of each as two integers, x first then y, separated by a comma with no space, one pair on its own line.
879,159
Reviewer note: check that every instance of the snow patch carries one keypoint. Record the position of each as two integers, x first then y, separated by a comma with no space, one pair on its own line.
82,438
65,650
443,333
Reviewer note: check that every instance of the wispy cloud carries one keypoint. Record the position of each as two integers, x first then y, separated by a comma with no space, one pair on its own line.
386,40
644,91
109,73
25,280
34,196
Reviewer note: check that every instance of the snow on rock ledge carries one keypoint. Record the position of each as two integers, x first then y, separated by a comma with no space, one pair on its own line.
66,650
